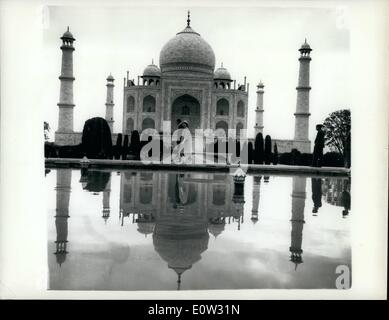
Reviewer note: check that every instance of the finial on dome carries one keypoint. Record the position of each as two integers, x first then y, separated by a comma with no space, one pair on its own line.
68,29
152,61
188,21
222,65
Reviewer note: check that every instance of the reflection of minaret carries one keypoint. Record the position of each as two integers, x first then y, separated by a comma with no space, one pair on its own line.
256,197
106,196
238,196
298,205
64,177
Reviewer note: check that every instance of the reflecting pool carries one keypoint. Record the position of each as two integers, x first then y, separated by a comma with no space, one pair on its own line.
159,230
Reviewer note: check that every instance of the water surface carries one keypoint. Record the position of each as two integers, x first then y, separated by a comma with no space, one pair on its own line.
158,230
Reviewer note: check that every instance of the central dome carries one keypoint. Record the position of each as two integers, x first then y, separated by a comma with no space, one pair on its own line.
187,52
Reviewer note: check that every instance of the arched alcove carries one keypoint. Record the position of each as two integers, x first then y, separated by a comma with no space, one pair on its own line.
129,125
148,123
222,107
240,109
222,125
149,104
186,108
130,104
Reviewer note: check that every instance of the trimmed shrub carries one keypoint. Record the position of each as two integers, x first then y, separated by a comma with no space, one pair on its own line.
250,152
267,155
275,154
71,151
125,148
285,158
135,145
258,149
305,159
237,147
96,139
118,147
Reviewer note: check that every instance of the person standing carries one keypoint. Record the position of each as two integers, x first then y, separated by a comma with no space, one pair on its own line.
319,146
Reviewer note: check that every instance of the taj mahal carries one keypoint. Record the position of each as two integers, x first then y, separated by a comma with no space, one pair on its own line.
185,86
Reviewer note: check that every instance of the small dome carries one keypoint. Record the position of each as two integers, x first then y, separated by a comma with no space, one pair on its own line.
222,74
110,78
216,228
305,45
187,51
146,227
67,35
152,71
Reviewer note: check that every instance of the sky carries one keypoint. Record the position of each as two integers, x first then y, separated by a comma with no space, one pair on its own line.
260,43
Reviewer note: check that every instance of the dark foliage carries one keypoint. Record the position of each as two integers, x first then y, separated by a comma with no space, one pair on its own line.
305,159
338,130
125,148
275,154
330,159
250,152
258,149
54,151
135,145
333,159
237,147
96,181
96,139
347,152
117,150
267,155
51,150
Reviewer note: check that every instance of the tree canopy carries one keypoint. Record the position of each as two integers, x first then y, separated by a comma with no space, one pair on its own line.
338,130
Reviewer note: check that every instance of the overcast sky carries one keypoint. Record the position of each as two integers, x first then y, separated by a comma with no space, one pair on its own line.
258,42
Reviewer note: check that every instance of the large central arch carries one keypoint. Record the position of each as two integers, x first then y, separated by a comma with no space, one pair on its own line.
186,108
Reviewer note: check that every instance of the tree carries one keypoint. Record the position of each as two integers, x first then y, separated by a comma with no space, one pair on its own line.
267,149
135,145
275,155
96,139
250,152
338,131
118,147
258,149
46,130
125,147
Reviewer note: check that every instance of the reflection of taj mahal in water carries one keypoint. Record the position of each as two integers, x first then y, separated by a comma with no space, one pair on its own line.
178,210
187,87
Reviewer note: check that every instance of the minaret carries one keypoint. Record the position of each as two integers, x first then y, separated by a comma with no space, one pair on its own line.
106,197
302,107
259,110
109,103
65,104
256,196
64,177
298,206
